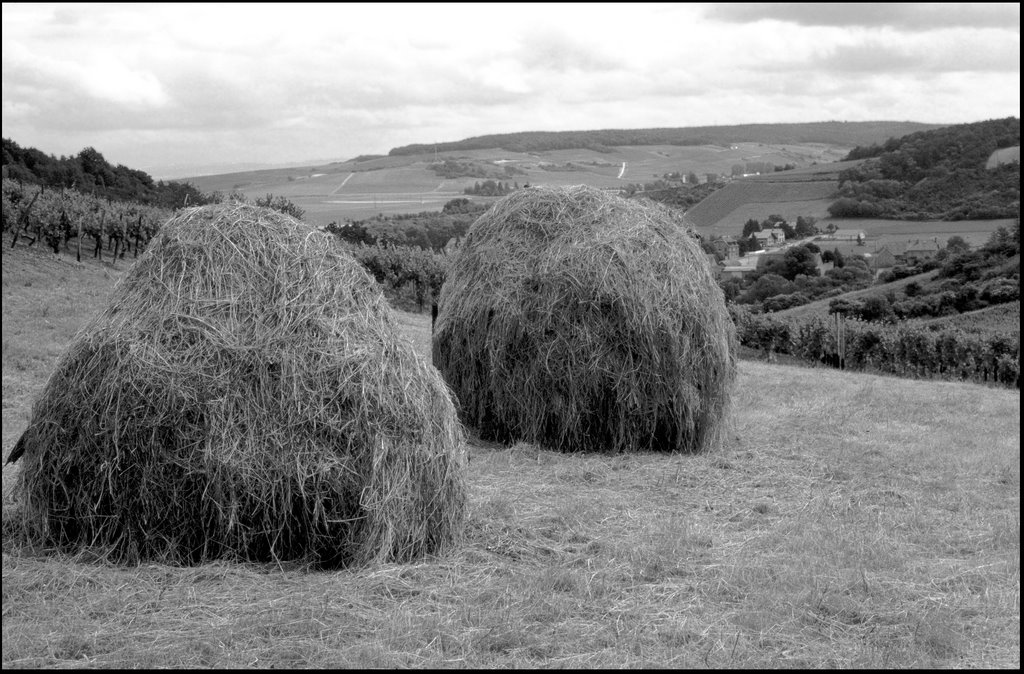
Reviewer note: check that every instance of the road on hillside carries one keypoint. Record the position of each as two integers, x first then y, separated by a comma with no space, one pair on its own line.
335,190
622,171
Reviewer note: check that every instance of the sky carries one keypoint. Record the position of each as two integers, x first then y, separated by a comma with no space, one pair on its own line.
183,89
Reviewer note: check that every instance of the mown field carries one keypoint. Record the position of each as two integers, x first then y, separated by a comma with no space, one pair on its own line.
848,520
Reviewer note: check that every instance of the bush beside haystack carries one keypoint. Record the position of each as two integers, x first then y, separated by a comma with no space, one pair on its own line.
246,394
585,322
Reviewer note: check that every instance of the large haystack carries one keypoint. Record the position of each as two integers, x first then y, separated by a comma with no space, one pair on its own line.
585,322
246,394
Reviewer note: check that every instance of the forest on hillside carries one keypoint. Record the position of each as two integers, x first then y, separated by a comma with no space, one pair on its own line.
939,174
837,133
90,173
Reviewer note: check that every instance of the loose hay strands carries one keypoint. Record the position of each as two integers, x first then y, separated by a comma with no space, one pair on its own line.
246,394
584,321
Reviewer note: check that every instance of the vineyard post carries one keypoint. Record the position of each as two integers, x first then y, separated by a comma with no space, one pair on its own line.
841,338
23,219
98,252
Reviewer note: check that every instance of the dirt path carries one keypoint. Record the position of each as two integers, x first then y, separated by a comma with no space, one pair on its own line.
335,190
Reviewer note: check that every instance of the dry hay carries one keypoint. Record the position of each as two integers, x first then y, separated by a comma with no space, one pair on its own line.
246,394
585,322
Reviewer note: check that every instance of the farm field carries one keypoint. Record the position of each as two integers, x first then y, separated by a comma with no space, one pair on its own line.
1004,156
880,232
790,210
849,520
404,184
726,210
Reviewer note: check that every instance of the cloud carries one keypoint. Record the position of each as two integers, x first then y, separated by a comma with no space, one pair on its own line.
555,49
909,16
155,83
946,55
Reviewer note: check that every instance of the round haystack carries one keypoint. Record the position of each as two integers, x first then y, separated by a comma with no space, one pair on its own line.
585,322
246,394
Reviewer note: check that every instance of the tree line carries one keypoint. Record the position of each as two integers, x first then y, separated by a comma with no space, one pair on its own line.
839,133
90,173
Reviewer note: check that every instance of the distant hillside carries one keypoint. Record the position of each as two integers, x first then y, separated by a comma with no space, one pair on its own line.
837,133
965,172
941,174
369,186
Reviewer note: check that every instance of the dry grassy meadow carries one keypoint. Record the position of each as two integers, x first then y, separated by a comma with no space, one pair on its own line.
850,520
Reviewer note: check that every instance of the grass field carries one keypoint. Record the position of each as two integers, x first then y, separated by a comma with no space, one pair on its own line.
849,520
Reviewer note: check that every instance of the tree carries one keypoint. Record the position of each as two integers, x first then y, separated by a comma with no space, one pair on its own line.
796,261
877,308
749,227
800,260
460,205
805,227
854,273
837,259
844,306
767,285
281,205
957,244
749,244
787,230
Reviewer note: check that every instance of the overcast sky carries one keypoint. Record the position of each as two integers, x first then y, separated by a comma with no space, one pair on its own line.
188,86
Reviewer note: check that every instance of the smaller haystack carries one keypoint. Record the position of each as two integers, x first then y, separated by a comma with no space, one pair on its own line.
585,322
246,394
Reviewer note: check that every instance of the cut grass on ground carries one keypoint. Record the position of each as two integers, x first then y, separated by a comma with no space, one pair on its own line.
850,520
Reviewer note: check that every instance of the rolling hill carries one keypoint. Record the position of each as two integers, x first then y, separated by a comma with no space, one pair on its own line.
358,189
603,140
410,179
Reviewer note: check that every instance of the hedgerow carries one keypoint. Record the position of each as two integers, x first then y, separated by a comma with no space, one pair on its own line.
903,349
